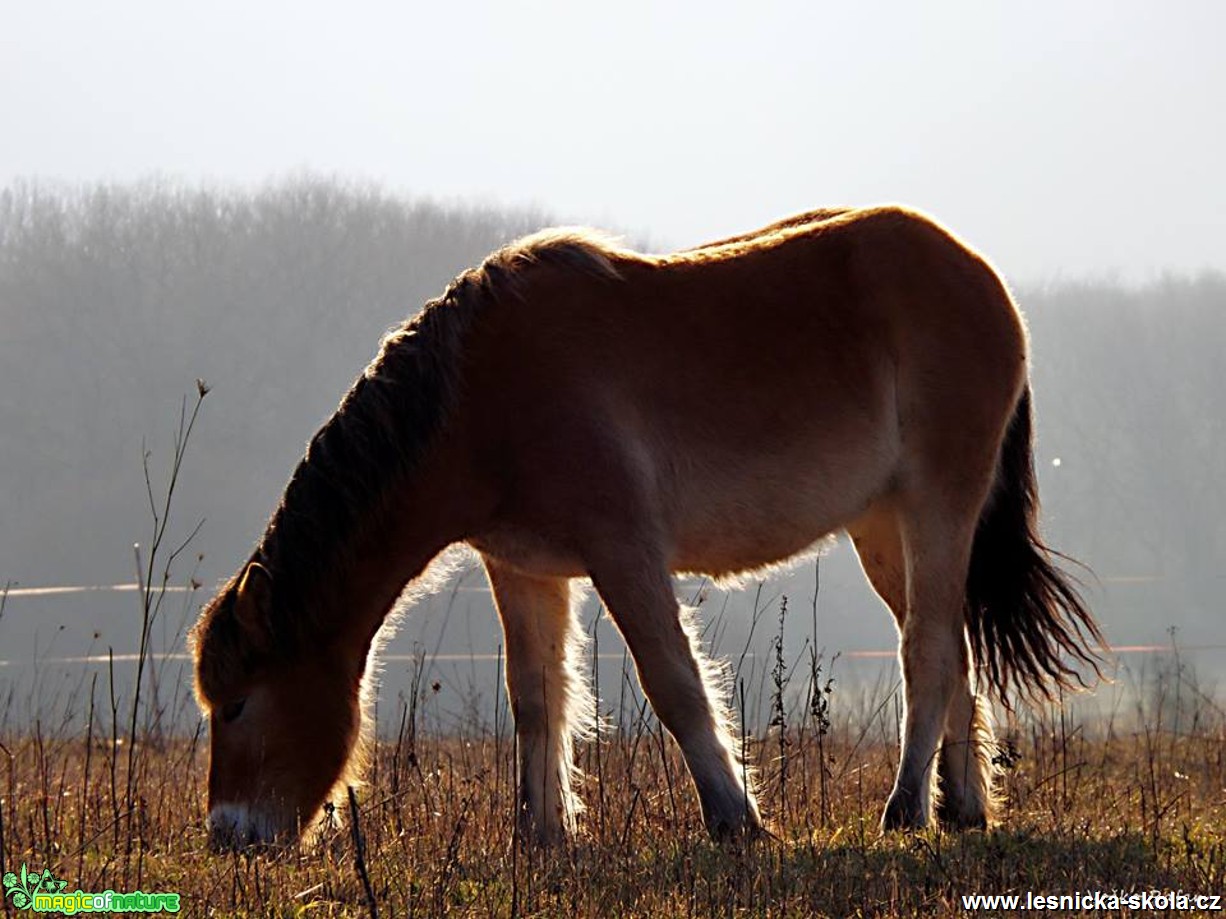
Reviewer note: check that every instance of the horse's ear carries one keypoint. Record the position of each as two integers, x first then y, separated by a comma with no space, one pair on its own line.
253,603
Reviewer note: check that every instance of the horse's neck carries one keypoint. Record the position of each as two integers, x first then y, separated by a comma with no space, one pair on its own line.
429,512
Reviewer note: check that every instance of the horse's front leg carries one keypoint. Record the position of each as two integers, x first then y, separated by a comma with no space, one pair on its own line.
549,697
679,682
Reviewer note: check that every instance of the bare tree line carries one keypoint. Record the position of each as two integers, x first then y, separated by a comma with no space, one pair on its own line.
113,299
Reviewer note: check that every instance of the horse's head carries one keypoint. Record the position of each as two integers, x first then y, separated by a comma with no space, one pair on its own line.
283,716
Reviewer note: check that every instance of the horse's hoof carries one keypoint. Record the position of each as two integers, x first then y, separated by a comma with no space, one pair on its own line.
968,817
734,835
745,827
903,812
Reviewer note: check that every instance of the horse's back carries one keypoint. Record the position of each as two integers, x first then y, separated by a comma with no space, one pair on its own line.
740,400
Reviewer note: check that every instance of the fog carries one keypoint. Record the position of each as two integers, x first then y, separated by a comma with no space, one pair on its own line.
252,195
1062,138
115,299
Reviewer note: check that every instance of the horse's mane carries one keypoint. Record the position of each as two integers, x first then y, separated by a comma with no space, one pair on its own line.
381,430
390,416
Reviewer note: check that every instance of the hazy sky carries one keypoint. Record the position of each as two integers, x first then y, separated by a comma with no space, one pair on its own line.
1063,139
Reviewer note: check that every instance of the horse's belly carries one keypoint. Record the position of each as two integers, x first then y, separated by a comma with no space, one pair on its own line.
717,510
724,538
732,516
531,552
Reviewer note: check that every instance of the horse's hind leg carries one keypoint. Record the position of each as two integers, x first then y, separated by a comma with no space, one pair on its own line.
549,697
965,774
878,542
677,680
964,768
936,536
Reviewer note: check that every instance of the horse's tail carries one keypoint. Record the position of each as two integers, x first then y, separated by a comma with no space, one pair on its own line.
1024,616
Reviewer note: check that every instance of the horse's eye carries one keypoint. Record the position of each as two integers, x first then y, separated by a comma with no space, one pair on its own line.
232,710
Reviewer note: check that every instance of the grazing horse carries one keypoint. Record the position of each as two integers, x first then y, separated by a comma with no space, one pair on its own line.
572,409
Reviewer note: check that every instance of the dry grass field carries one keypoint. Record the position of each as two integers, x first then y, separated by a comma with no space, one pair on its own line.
1133,801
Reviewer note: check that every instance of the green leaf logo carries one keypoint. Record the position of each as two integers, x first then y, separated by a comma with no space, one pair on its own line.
22,889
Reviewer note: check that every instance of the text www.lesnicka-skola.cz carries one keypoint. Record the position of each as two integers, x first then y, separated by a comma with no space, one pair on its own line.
1086,900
